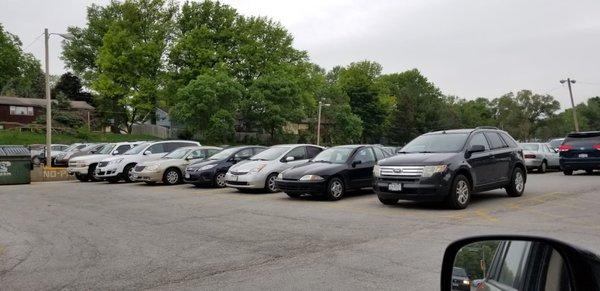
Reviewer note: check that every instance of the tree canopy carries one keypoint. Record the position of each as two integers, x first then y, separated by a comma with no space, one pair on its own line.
20,72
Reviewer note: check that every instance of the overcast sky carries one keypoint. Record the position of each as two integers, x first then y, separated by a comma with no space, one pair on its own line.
468,48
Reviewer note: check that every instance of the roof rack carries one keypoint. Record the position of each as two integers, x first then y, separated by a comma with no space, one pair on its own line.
487,127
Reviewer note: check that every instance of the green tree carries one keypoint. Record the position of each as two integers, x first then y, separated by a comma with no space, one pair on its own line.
20,72
221,127
70,86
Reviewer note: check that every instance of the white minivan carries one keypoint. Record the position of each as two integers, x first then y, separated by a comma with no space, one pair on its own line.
116,168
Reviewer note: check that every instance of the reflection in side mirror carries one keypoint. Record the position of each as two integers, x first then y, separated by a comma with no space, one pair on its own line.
485,264
147,153
289,159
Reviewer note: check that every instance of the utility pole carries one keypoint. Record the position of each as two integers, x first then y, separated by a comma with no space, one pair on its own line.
48,105
319,121
569,82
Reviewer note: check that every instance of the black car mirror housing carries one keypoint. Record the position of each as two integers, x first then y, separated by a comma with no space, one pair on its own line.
356,163
580,266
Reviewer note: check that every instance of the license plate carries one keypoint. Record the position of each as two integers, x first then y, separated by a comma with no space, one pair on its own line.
395,187
187,175
583,155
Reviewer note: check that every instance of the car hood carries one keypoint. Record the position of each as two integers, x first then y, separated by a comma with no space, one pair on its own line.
418,159
313,168
165,162
90,158
203,163
246,166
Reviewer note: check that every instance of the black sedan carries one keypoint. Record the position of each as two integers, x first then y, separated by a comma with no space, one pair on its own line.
332,172
212,171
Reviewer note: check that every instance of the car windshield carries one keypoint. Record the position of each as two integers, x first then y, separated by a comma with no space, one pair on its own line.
436,143
556,142
224,154
530,147
270,154
459,272
138,149
106,149
177,154
71,148
335,155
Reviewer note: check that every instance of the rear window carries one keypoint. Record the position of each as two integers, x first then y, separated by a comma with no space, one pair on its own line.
508,140
587,139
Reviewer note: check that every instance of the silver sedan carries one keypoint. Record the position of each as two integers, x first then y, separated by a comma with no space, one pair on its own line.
540,157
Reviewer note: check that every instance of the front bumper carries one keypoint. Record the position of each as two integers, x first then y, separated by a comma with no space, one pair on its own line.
575,164
107,172
435,188
77,170
199,177
144,176
533,163
301,187
247,181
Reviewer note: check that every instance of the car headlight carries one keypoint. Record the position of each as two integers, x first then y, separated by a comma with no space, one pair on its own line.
376,171
280,176
466,282
311,178
114,162
151,168
207,167
428,171
82,164
258,168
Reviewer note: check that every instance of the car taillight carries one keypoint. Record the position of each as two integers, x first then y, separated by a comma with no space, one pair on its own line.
529,156
597,146
565,148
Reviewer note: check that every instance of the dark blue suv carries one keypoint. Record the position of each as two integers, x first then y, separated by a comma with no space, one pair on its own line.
580,151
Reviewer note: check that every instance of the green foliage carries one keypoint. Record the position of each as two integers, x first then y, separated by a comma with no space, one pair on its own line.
469,257
27,138
221,127
20,72
70,85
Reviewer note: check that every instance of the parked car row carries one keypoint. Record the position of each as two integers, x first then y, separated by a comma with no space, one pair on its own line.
438,166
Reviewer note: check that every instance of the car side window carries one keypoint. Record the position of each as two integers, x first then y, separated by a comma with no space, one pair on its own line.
509,140
197,154
157,148
313,151
379,153
479,139
496,141
298,153
123,148
513,264
243,154
365,156
258,150
212,151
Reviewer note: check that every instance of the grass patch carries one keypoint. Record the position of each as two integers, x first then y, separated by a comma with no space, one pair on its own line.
9,137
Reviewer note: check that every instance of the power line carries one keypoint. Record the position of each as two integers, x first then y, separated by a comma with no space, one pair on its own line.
31,43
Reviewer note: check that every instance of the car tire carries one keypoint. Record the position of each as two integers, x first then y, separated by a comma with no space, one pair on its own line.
127,173
543,167
171,176
388,201
589,172
293,195
91,170
568,172
335,189
81,177
219,180
517,183
270,183
460,193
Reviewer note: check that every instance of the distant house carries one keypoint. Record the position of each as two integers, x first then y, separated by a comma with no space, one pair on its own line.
18,112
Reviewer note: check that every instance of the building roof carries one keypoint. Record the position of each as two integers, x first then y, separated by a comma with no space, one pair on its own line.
37,102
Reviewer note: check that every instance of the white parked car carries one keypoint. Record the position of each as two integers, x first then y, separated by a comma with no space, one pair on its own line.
540,157
114,169
83,167
261,170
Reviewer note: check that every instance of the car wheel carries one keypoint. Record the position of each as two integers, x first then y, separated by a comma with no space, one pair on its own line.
460,193
82,178
293,195
543,167
219,180
91,170
270,183
335,189
128,173
517,184
589,172
568,172
388,201
171,177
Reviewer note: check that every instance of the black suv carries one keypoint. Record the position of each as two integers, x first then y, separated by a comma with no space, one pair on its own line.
580,151
450,165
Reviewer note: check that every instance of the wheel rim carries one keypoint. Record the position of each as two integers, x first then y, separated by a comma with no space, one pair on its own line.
462,192
271,184
220,180
172,177
336,189
543,167
519,182
130,174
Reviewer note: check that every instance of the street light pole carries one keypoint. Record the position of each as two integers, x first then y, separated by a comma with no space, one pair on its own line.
569,82
319,121
48,105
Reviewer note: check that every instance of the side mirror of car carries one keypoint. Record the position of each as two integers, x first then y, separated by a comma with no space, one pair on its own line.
356,163
487,260
476,148
115,152
147,153
289,159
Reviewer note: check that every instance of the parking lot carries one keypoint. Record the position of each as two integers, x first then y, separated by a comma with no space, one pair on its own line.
73,235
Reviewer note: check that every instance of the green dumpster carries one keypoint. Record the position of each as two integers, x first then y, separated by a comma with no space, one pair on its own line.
15,165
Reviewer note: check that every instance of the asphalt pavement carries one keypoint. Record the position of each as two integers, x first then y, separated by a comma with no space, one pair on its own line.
73,235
